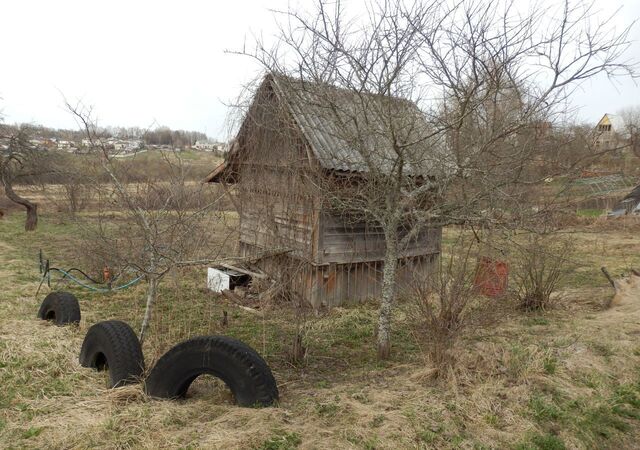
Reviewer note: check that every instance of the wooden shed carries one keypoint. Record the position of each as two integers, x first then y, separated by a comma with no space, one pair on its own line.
284,143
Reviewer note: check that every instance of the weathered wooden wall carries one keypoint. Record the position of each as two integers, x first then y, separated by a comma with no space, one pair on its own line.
331,261
343,242
339,284
278,207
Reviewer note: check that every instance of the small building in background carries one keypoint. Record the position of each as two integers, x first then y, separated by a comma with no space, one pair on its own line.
64,145
205,146
610,133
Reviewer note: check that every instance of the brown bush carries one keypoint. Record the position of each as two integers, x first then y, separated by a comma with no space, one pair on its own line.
447,303
540,264
625,223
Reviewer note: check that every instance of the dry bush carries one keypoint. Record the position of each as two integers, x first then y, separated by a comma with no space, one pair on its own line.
541,263
176,196
5,204
624,223
282,288
75,197
447,302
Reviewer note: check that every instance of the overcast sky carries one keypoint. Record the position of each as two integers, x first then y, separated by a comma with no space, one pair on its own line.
143,63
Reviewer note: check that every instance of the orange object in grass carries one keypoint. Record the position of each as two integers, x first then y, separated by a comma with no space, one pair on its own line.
492,277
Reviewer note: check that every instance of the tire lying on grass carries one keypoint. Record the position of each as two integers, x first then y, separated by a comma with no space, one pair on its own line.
241,368
61,308
112,345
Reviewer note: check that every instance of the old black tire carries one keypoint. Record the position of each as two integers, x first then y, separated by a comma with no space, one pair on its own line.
62,308
112,345
241,368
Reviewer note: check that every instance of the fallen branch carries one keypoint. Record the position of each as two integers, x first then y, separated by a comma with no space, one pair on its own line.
613,283
251,310
606,274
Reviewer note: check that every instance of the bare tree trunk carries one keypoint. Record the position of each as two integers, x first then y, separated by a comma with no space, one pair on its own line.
152,293
388,296
32,209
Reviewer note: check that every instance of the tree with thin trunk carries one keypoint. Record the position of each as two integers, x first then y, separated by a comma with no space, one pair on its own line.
150,226
480,80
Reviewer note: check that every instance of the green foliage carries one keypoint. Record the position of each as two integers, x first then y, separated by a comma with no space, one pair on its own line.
377,421
581,403
550,364
369,443
536,321
329,409
492,420
281,441
31,432
427,436
593,419
544,410
590,212
542,442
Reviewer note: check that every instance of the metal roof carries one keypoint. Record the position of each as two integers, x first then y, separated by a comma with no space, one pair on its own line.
634,194
362,132
616,122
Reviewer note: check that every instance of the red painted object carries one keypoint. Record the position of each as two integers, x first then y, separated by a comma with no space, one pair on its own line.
492,277
106,274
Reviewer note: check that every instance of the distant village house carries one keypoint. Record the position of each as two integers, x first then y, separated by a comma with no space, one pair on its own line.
610,133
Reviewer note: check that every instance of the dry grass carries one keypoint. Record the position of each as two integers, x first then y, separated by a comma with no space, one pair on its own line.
569,377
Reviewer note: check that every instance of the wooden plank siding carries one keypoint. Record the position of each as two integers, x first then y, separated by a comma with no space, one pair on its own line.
278,206
338,284
344,242
269,231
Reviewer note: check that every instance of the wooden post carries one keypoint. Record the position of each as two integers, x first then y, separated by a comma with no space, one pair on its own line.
612,282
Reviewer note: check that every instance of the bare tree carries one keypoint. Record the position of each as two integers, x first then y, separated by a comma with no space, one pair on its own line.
542,262
631,118
19,161
150,226
484,76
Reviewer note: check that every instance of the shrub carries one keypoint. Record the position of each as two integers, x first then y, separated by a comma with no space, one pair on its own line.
541,263
447,303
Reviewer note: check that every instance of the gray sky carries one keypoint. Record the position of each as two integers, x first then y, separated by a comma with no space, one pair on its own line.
141,63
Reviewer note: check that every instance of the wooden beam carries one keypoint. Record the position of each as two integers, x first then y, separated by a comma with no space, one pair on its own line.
245,271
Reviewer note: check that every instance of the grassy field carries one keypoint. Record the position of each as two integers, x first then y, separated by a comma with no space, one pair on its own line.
568,378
